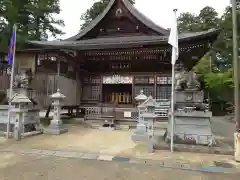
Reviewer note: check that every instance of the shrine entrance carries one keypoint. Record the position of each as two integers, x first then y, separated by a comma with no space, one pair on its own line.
117,89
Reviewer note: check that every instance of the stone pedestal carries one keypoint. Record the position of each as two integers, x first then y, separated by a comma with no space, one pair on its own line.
18,126
22,91
237,147
150,147
56,127
140,133
191,128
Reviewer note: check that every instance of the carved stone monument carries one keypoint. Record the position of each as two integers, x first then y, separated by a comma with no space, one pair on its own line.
56,126
191,116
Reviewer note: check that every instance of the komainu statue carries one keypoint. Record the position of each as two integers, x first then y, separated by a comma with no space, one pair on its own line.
187,81
23,79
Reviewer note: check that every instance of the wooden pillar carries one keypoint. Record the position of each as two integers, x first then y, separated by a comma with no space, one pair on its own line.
78,90
101,89
155,85
133,89
58,73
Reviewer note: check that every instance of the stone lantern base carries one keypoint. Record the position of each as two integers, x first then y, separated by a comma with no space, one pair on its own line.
55,128
237,147
140,133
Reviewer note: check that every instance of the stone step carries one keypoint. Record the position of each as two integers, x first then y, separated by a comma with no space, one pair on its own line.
95,126
122,127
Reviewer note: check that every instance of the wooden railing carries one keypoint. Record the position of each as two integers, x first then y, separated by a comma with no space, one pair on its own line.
96,113
120,114
162,108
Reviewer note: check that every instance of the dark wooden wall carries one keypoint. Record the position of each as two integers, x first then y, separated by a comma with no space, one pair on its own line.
155,84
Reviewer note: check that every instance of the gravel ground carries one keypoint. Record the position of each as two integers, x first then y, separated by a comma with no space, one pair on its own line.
118,143
31,167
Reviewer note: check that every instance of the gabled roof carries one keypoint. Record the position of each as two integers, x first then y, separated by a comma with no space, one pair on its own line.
123,42
142,18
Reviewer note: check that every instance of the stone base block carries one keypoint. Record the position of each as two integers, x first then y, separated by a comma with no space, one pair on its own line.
150,147
55,130
107,128
139,137
237,147
190,129
141,128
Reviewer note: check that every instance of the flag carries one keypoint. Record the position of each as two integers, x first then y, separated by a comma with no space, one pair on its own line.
12,46
173,39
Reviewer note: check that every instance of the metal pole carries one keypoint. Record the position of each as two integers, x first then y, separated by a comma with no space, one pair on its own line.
210,69
172,104
174,58
235,65
11,82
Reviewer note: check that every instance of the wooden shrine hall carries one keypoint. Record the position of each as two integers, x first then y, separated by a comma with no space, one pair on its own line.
117,55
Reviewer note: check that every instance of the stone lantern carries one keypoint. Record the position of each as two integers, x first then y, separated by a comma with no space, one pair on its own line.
20,103
149,115
141,97
150,105
144,131
140,133
56,126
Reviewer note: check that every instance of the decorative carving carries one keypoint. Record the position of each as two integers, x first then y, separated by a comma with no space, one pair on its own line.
117,79
118,12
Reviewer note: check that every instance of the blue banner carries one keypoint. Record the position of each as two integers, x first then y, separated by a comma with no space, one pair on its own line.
12,46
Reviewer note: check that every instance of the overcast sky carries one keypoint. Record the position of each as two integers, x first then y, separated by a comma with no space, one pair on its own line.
157,10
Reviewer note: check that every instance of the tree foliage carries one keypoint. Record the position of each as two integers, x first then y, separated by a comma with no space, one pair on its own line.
206,19
217,74
94,11
34,20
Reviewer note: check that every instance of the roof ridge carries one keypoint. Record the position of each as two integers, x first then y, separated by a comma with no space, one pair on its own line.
156,27
93,23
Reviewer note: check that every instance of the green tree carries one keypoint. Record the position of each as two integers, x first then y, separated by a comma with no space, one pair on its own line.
208,18
11,12
215,66
34,19
42,24
188,22
94,11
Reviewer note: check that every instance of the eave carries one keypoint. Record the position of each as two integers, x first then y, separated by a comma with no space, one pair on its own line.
124,42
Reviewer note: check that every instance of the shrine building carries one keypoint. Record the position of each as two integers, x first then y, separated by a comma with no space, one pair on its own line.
112,59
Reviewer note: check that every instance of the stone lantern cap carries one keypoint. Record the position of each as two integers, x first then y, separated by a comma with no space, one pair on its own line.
57,95
19,98
141,96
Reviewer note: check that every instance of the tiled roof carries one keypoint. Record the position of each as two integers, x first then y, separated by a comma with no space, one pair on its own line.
119,42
